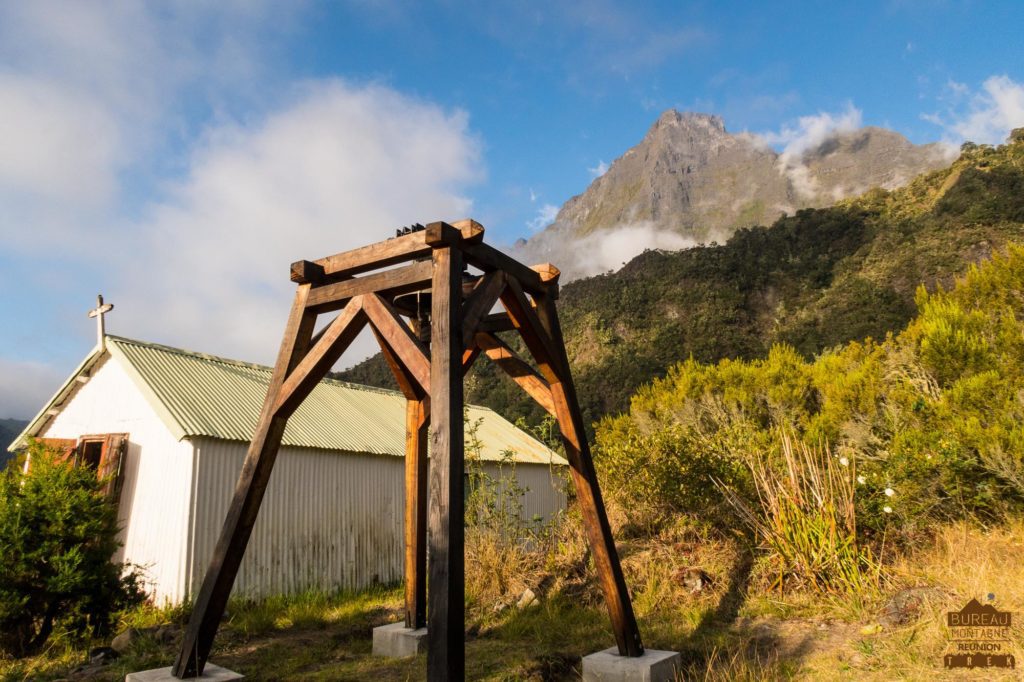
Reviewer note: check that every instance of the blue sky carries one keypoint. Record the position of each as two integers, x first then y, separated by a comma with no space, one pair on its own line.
177,156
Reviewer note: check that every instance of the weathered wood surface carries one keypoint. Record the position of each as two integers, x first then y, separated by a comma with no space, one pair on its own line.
338,336
400,339
595,518
496,322
480,302
307,272
401,280
432,383
252,484
446,613
517,369
537,340
375,256
417,421
488,258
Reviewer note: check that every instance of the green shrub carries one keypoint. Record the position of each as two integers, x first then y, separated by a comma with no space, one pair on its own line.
934,416
57,536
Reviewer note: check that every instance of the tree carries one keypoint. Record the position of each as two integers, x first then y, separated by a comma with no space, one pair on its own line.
58,533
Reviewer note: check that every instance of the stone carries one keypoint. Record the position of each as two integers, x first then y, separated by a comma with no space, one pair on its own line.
211,673
102,655
694,579
653,666
166,634
123,642
397,641
527,598
908,605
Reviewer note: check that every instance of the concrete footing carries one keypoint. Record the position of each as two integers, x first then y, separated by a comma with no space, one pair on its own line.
211,673
609,666
397,641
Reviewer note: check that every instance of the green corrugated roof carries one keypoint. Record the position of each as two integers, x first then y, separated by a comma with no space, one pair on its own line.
203,395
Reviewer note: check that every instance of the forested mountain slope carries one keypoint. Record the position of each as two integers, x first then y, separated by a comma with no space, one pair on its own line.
814,280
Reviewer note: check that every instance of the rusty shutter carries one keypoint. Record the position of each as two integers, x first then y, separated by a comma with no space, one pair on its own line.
111,469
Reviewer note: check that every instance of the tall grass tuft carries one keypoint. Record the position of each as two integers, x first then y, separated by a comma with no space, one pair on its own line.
806,517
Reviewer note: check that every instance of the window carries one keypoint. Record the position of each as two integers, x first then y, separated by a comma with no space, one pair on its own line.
103,453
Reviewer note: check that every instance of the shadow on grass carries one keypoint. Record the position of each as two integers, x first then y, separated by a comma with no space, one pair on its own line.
719,648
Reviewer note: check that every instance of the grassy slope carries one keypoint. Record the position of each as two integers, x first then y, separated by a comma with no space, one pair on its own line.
815,280
734,631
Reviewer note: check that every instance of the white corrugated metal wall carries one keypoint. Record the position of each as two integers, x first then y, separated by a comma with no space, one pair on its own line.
155,489
328,519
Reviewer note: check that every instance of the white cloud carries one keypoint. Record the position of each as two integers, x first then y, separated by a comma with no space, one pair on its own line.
545,216
808,133
599,251
93,92
190,231
984,117
337,167
600,169
57,144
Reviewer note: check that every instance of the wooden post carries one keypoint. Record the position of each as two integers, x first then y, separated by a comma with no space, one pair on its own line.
595,518
446,614
252,483
417,420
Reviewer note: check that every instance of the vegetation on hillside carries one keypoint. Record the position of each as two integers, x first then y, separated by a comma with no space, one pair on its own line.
922,427
814,281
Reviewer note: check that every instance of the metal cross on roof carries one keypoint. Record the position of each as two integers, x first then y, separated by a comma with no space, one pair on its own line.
98,312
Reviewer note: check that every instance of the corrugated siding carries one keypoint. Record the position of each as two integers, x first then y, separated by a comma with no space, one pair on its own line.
328,519
157,475
214,397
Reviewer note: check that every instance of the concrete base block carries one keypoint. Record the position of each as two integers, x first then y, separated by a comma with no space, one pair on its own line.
397,641
211,673
653,666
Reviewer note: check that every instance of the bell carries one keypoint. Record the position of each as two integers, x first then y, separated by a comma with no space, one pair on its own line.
416,306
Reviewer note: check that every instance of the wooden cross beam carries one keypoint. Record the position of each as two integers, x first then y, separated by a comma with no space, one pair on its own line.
98,312
363,285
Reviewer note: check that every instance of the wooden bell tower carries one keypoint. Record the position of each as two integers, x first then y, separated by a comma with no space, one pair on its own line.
432,321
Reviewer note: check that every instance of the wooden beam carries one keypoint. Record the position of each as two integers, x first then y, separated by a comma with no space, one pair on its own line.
379,255
409,387
469,356
488,258
595,518
417,421
307,272
446,516
400,339
472,231
245,504
318,361
496,322
442,234
401,280
549,274
537,338
520,372
480,302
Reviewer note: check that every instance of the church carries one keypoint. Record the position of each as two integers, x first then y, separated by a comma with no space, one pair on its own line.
169,429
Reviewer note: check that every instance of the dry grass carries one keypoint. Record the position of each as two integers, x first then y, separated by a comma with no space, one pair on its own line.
732,630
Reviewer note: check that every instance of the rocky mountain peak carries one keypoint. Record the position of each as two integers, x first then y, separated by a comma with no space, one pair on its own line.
691,179
691,120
